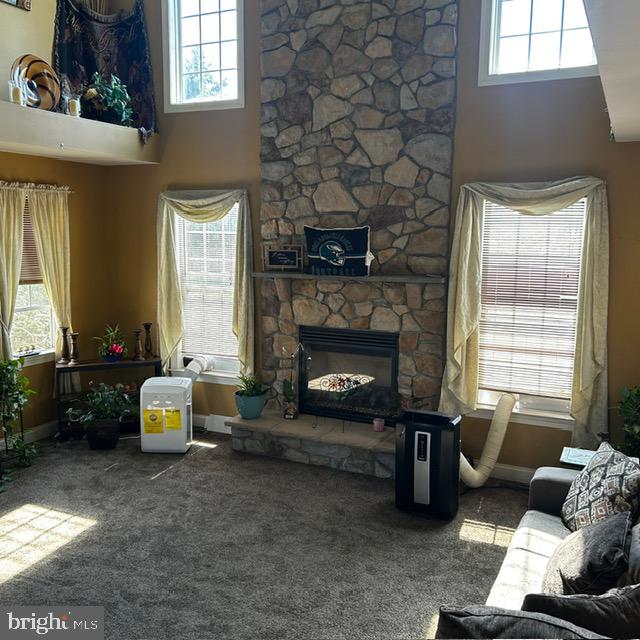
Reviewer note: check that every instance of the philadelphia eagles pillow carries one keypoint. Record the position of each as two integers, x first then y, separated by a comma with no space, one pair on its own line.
338,252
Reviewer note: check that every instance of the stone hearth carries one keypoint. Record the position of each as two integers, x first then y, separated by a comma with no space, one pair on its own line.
322,442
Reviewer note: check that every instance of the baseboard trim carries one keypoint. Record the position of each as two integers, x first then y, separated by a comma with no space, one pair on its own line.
521,475
211,422
41,432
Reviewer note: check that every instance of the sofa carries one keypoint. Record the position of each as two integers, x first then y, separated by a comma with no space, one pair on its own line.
539,533
607,613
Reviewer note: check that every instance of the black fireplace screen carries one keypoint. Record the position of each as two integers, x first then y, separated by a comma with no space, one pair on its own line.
349,374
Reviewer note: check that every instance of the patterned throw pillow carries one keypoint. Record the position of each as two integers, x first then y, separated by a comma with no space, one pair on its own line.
609,484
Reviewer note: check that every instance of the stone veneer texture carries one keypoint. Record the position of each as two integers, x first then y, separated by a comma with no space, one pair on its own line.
358,107
358,114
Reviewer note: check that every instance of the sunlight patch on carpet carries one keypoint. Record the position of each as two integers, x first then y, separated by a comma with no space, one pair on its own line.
485,532
31,532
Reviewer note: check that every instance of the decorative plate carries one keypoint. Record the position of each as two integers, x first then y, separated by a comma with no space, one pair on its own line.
40,81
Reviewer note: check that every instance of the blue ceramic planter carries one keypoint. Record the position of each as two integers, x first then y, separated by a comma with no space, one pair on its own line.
250,407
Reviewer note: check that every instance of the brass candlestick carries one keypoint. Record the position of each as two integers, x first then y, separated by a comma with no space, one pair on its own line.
64,355
74,357
138,352
148,345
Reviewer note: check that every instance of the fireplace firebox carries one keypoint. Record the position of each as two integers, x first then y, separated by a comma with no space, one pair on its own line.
349,374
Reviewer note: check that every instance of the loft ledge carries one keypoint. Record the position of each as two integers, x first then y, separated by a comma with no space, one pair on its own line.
402,278
35,132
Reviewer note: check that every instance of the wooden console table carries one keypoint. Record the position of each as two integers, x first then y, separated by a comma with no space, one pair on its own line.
62,370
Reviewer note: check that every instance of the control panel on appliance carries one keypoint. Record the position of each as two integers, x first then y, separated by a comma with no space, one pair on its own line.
422,468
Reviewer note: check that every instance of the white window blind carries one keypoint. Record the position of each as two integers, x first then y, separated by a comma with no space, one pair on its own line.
30,266
206,256
530,284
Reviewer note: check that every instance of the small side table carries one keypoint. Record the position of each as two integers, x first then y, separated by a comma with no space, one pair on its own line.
578,458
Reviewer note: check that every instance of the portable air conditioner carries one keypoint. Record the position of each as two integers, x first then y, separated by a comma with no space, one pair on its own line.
428,463
166,415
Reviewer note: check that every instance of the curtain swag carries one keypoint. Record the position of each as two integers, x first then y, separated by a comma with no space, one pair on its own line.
202,207
460,382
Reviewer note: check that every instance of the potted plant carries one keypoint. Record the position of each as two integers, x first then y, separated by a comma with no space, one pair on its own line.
251,397
104,408
14,395
107,100
629,409
112,344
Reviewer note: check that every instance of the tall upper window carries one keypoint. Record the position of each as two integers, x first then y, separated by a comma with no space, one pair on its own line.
528,40
34,326
206,258
529,302
203,54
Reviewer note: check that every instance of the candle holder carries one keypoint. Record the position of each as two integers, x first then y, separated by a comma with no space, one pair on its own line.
148,344
138,350
74,357
73,106
16,93
64,355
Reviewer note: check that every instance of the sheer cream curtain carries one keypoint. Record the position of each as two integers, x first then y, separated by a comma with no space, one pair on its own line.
50,217
460,381
204,206
12,201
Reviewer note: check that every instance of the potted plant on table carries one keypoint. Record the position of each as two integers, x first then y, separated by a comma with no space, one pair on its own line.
629,409
112,344
250,397
104,408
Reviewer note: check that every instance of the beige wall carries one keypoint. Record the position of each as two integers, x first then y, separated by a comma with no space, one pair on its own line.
24,32
543,131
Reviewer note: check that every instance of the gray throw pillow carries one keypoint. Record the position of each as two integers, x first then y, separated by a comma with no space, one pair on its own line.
609,484
615,613
493,622
632,576
590,560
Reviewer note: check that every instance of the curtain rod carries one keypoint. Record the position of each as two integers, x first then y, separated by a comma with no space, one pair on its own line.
32,186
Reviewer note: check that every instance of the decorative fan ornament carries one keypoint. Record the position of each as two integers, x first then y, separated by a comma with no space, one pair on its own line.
40,82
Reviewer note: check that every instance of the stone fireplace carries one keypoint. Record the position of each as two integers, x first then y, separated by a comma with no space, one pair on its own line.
358,115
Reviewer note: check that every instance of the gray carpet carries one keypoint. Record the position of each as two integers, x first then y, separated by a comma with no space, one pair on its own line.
223,545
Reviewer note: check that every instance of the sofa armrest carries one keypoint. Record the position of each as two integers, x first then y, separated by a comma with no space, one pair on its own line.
549,487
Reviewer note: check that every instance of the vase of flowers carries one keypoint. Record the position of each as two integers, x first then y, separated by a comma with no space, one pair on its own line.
112,345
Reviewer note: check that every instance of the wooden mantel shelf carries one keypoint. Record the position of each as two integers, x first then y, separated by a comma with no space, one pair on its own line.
35,132
406,279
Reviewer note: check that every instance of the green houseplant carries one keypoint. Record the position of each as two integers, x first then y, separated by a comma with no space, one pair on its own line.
108,100
250,397
15,392
104,408
629,409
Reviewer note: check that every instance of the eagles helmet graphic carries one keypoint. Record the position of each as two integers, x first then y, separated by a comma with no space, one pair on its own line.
333,253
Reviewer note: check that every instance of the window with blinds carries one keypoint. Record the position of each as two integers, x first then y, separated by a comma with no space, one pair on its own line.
206,257
530,284
34,326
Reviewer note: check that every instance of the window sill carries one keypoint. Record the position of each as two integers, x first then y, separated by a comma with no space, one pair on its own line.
494,79
40,358
547,419
216,105
212,377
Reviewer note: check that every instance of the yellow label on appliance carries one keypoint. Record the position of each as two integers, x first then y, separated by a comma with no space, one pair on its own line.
153,421
172,419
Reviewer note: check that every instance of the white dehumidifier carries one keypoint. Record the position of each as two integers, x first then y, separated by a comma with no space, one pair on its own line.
166,415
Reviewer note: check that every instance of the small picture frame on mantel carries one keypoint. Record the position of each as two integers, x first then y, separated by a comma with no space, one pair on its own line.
286,257
21,4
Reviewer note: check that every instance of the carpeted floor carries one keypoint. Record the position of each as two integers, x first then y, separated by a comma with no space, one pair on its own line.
215,544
